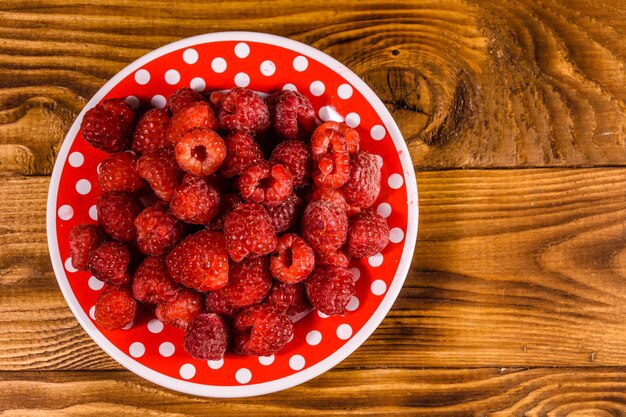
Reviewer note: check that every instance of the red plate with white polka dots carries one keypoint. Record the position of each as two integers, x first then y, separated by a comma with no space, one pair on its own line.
264,63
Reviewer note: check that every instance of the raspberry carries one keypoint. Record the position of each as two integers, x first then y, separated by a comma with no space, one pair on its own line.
290,298
217,302
200,151
324,226
108,125
330,154
248,231
206,337
182,98
296,156
116,215
109,263
117,173
241,152
215,99
293,115
336,197
337,258
330,289
179,311
84,238
327,139
157,231
351,136
262,330
161,171
152,283
266,183
115,308
200,261
363,186
150,133
195,200
241,109
285,215
293,260
368,234
229,202
195,115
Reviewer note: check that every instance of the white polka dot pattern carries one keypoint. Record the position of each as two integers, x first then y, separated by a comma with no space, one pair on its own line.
353,119
268,68
290,87
242,79
190,56
266,360
68,266
93,212
353,304
396,235
198,84
132,101
65,212
243,375
395,181
296,362
137,349
344,331
172,77
344,91
300,63
142,77
377,132
83,187
155,326
219,65
187,371
317,88
95,284
76,159
378,287
216,364
356,273
375,260
242,50
384,209
158,101
313,337
166,349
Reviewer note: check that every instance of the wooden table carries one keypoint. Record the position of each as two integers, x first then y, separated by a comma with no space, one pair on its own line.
515,116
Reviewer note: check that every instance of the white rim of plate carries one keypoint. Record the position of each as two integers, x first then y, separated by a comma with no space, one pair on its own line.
304,375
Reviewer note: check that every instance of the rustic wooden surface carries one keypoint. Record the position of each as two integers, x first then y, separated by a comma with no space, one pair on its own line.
515,302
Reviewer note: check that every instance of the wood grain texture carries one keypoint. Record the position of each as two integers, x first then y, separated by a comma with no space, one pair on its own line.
471,83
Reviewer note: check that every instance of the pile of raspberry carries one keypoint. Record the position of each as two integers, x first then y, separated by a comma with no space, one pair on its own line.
226,214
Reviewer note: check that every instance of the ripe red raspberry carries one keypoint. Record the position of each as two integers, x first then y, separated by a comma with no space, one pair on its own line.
200,151
115,308
200,261
241,109
249,282
331,158
324,226
181,310
336,258
296,156
368,234
161,171
109,263
290,298
108,125
362,188
157,231
196,115
116,215
195,200
266,183
336,197
292,260
150,133
293,115
285,215
84,238
241,152
229,202
206,337
215,99
330,289
248,231
218,302
182,98
351,136
152,283
262,330
117,173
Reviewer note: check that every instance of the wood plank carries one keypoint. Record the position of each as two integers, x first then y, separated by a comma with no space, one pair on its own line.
471,84
592,392
512,268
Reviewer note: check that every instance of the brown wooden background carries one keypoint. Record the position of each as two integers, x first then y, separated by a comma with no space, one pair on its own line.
514,112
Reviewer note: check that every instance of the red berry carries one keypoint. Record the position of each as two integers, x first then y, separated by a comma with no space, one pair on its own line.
332,258
363,186
330,289
152,283
242,109
296,156
200,151
109,263
116,215
215,98
117,173
285,215
220,303
293,259
206,337
262,330
195,200
241,152
157,231
248,231
228,203
290,298
293,115
108,125
115,308
150,133
161,171
336,197
330,154
266,183
84,238
368,234
200,261
196,115
351,136
324,226
182,98
179,311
